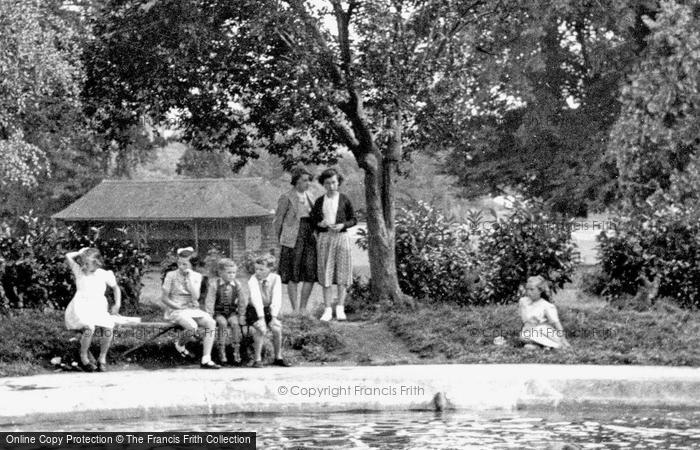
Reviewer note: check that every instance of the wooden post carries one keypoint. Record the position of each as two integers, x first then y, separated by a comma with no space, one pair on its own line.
196,237
231,242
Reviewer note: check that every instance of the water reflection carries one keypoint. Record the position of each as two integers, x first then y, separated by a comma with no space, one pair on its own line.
582,428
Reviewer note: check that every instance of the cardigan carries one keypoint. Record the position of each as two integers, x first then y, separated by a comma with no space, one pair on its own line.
286,222
344,216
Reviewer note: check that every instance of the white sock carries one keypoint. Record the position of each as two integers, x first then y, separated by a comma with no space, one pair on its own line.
206,359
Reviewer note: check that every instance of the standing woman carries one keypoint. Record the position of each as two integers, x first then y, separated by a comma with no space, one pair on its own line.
295,234
332,215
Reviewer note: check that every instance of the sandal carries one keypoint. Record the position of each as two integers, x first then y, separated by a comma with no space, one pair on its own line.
89,367
101,367
182,350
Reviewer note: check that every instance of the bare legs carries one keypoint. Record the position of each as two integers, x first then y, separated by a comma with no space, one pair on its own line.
328,295
275,327
86,340
328,299
190,326
222,325
292,290
306,288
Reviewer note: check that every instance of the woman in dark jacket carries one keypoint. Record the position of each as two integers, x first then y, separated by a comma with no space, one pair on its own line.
295,233
332,214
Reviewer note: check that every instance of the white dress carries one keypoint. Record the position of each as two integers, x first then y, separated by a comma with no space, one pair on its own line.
536,327
89,307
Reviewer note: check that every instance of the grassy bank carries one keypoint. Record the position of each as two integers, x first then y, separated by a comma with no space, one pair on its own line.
29,339
598,333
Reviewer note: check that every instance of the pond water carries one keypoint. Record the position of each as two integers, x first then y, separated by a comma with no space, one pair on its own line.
581,428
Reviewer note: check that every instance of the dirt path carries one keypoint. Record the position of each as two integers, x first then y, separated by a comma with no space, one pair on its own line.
371,343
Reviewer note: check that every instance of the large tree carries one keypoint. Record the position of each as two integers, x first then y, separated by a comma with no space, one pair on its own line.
302,78
544,130
656,138
40,76
50,154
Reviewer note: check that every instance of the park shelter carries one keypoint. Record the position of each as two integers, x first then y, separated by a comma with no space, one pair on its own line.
234,214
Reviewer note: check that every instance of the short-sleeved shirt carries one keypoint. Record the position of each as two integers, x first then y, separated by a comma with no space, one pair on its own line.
179,293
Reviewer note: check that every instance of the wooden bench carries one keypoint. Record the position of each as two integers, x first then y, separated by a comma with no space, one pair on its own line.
164,326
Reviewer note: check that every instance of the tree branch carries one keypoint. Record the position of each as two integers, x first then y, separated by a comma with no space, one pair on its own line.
344,132
342,19
327,57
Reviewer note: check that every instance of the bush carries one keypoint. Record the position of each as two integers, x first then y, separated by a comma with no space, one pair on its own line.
359,299
594,281
438,259
35,273
433,254
527,243
664,245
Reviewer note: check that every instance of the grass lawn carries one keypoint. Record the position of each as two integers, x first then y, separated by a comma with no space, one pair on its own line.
598,333
29,339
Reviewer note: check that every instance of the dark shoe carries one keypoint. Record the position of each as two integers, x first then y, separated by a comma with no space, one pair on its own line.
182,350
101,367
210,365
89,367
257,365
281,363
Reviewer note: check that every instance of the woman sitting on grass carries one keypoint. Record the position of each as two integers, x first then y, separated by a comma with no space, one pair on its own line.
89,308
541,326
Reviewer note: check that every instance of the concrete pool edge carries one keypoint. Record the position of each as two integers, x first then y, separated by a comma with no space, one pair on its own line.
77,397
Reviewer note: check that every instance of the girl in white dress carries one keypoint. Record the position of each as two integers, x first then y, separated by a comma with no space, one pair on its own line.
541,324
89,308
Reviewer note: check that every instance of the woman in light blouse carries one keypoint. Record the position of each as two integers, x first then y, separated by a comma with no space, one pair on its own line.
332,215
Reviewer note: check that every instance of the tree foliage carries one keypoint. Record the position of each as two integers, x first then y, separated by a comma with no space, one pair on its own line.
541,125
657,134
302,78
39,79
47,145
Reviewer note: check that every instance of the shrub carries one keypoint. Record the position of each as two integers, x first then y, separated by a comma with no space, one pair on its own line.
438,259
662,244
359,299
529,242
594,281
433,254
36,275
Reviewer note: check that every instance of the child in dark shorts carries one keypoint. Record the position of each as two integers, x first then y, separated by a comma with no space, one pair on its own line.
265,288
226,301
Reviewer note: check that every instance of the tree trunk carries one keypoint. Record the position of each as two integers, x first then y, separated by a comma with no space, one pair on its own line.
382,254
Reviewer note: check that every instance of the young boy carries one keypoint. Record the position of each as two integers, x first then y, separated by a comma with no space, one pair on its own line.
266,296
226,301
